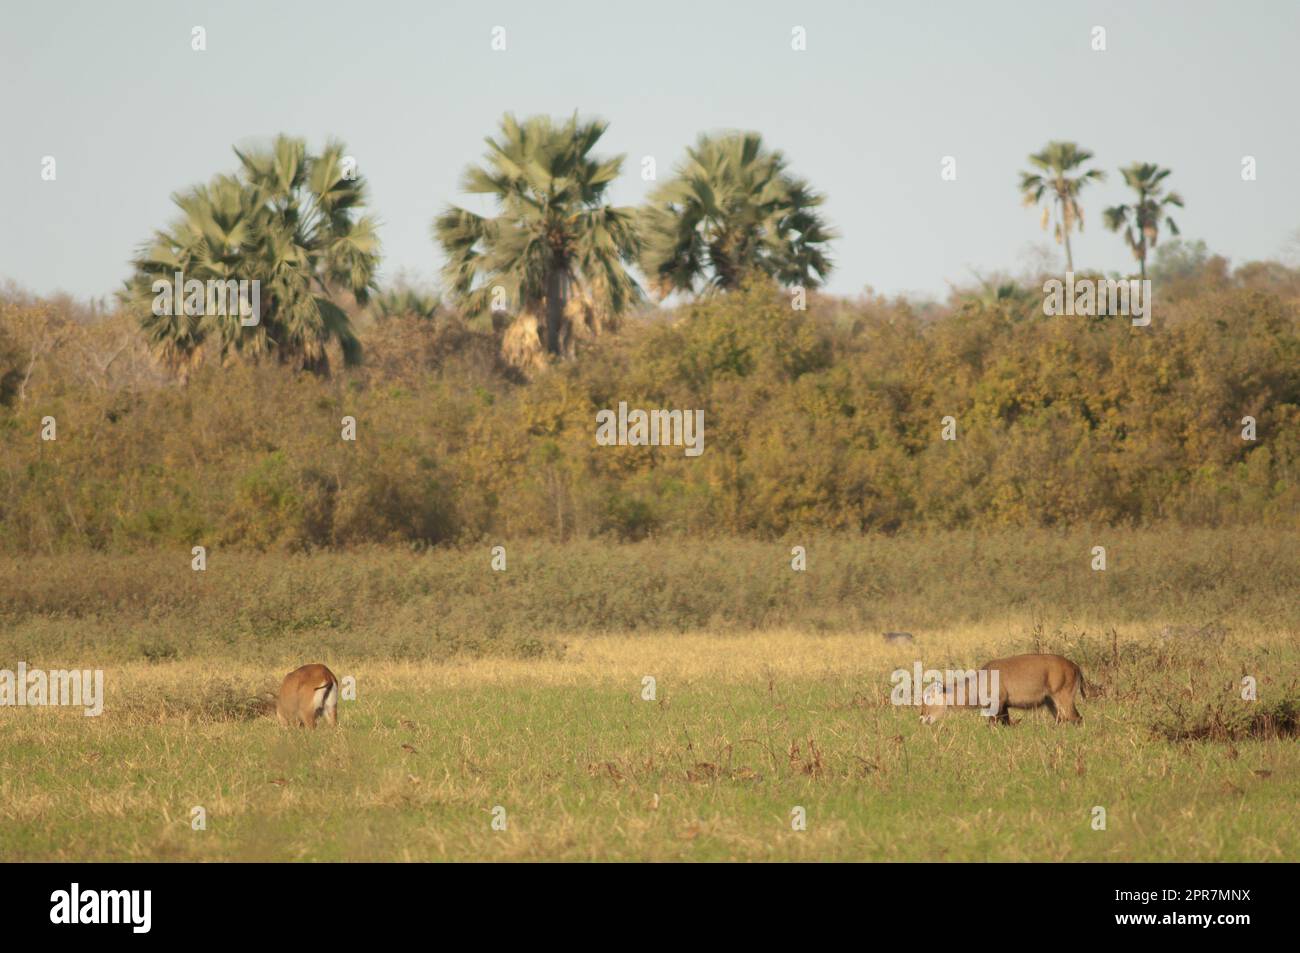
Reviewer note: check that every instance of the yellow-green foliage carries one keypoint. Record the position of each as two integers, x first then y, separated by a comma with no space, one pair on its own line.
821,420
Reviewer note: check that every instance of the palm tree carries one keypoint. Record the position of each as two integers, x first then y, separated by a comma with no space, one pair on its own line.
287,220
402,299
732,207
1007,298
210,240
554,239
1054,178
1141,220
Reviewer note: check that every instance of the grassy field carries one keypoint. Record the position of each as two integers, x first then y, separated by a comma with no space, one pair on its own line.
752,718
743,730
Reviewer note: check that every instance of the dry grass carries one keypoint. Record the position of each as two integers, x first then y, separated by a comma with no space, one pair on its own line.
524,690
742,730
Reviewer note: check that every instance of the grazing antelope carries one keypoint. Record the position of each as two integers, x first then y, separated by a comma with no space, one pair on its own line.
305,694
1025,681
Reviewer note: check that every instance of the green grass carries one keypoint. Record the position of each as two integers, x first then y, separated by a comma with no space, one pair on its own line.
523,690
743,730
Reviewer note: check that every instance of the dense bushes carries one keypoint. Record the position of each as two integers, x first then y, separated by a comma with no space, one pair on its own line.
825,419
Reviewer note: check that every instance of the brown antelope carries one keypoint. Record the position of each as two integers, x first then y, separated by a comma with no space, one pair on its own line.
305,694
1024,681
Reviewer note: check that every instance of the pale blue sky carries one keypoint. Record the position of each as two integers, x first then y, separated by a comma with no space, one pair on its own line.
114,92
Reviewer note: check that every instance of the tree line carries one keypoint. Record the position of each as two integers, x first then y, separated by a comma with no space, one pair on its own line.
555,265
863,415
830,419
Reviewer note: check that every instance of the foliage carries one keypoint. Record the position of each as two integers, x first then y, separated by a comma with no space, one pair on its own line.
1141,220
402,300
731,208
827,419
287,220
554,238
1059,177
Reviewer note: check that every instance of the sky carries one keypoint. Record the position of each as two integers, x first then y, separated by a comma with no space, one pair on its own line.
867,112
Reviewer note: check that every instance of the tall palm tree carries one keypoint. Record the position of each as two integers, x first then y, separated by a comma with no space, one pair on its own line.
288,220
1141,220
1060,177
733,207
554,238
212,239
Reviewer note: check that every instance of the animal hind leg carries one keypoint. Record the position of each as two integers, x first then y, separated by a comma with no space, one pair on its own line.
1063,702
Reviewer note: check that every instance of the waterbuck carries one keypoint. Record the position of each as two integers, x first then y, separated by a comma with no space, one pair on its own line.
1023,681
305,694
